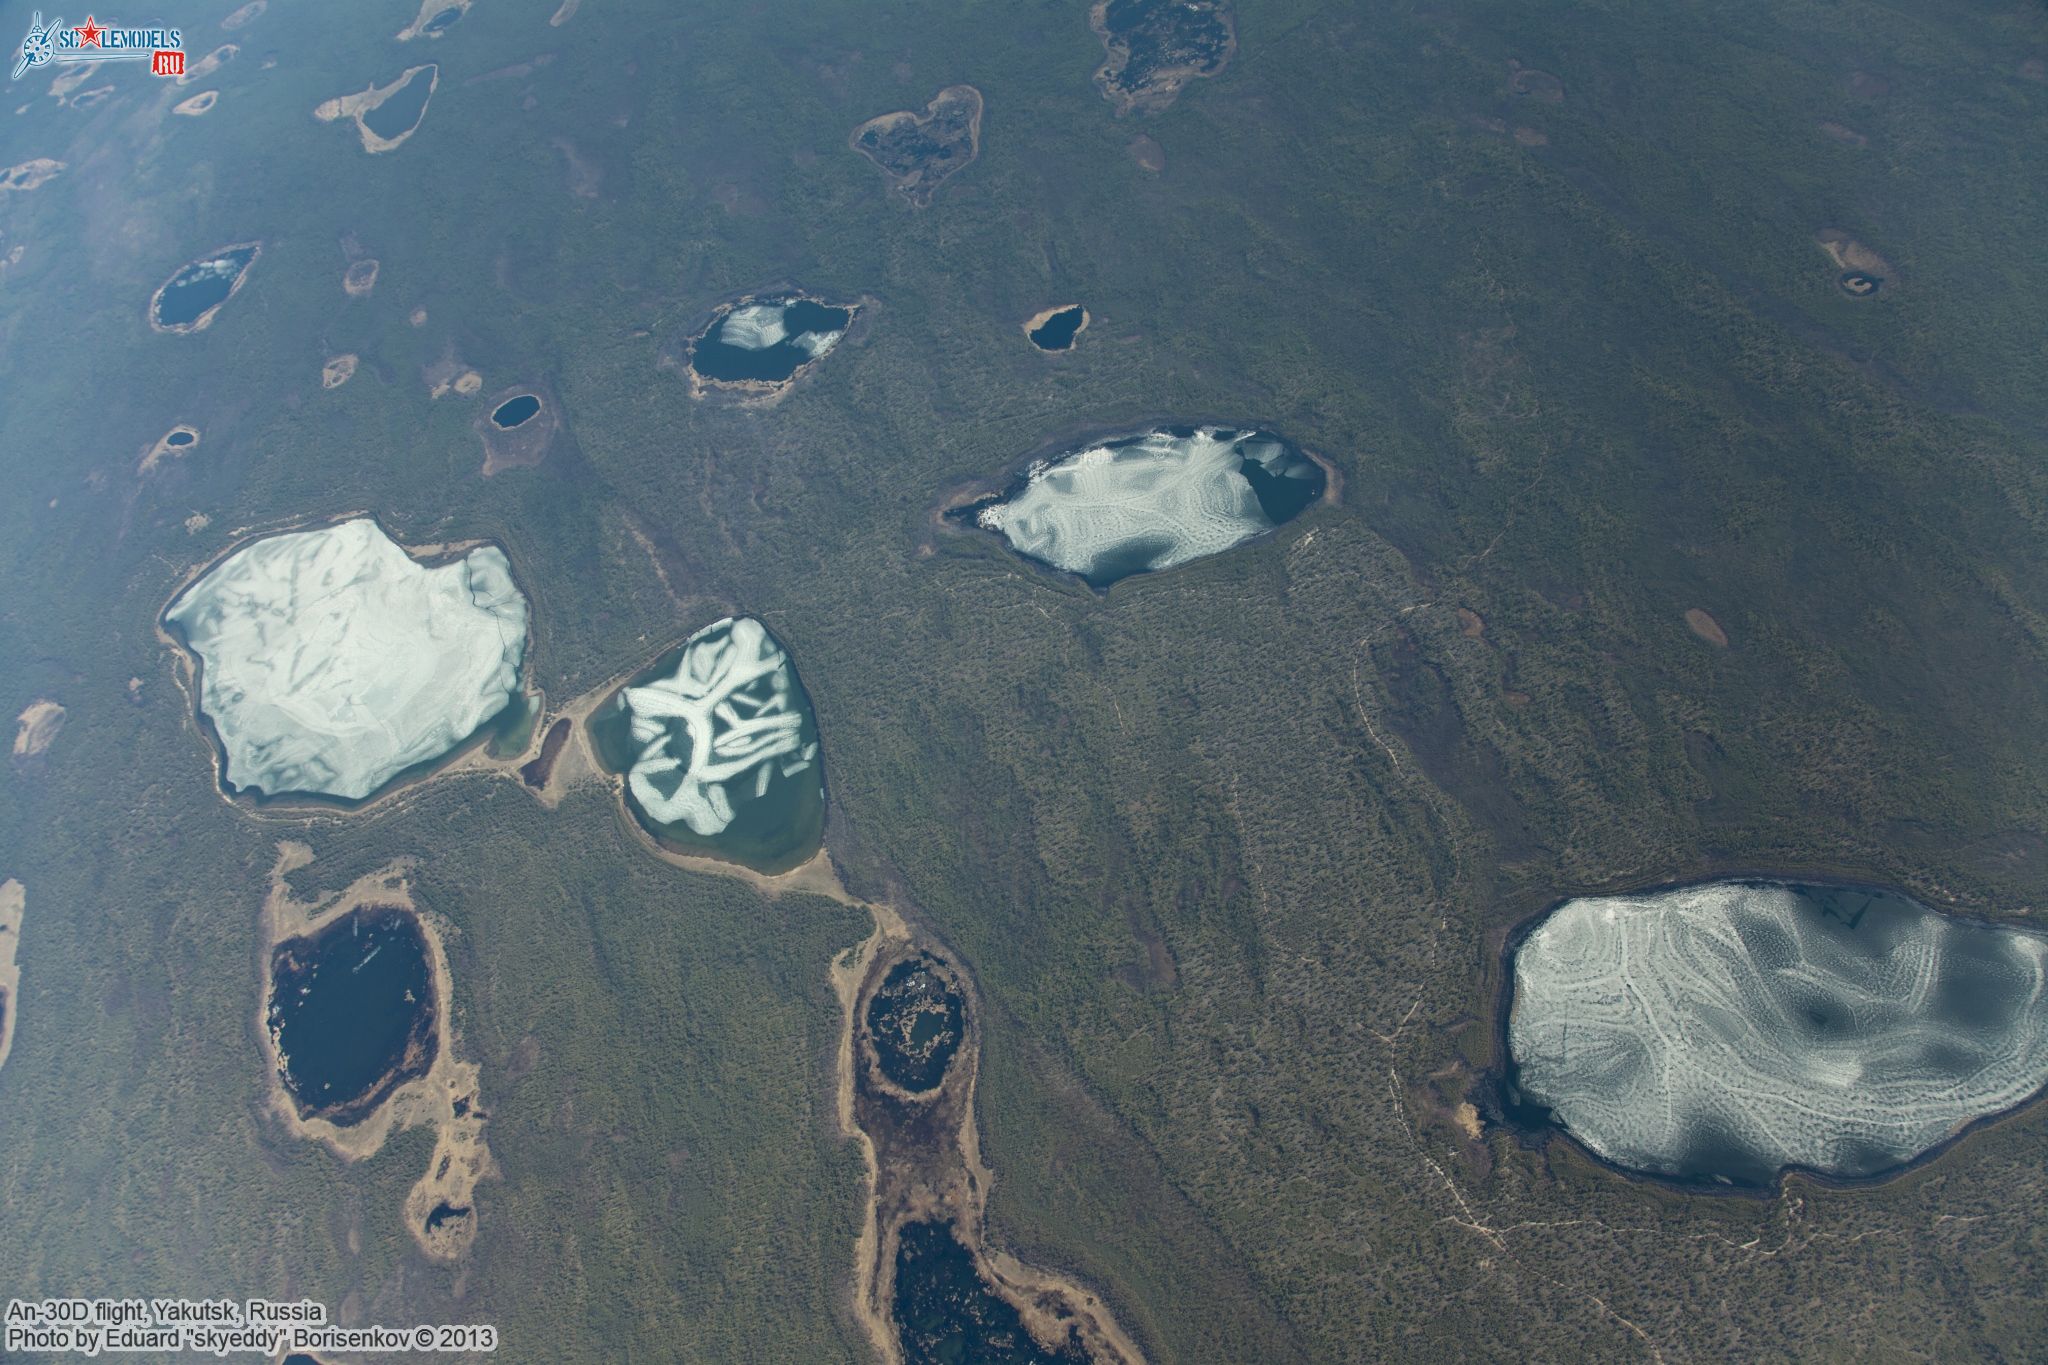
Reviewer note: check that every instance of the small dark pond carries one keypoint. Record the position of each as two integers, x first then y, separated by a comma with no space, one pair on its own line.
767,339
201,285
179,438
352,1010
402,111
443,1213
515,411
1057,332
917,1020
946,1314
443,21
1860,284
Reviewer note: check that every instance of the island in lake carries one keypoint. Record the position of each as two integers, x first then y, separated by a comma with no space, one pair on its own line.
331,661
718,749
1150,501
1729,1031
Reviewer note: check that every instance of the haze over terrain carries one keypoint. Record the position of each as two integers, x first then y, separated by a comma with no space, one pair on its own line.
1139,987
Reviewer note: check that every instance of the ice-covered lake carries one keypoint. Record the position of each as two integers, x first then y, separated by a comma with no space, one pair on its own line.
332,660
1151,501
718,747
1731,1030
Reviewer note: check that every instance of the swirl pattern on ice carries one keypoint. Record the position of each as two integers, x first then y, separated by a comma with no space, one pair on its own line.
1153,501
334,660
1736,1029
723,726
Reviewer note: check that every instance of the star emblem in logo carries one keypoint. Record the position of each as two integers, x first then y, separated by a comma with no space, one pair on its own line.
88,32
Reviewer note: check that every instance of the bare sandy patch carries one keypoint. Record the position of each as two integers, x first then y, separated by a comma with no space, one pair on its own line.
254,9
364,101
198,104
35,727
1863,273
360,277
1706,627
1849,254
196,523
29,174
1471,624
445,1097
1467,1119
1149,155
565,13
418,317
180,441
522,446
431,10
1530,137
13,902
1844,134
449,375
337,371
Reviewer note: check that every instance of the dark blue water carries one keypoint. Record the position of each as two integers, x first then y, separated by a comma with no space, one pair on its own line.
401,113
198,287
713,359
513,411
1057,332
352,1009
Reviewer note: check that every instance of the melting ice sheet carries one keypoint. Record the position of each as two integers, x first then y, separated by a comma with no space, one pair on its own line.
333,660
716,732
1152,501
1731,1030
768,341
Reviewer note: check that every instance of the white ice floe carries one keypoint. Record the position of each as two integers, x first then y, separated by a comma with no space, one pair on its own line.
1681,1027
721,727
333,660
755,327
1145,504
815,344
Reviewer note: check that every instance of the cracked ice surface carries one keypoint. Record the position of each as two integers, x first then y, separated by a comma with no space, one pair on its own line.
334,660
725,724
1764,1026
1144,504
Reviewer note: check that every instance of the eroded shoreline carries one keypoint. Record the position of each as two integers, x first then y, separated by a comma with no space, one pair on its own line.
439,1211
